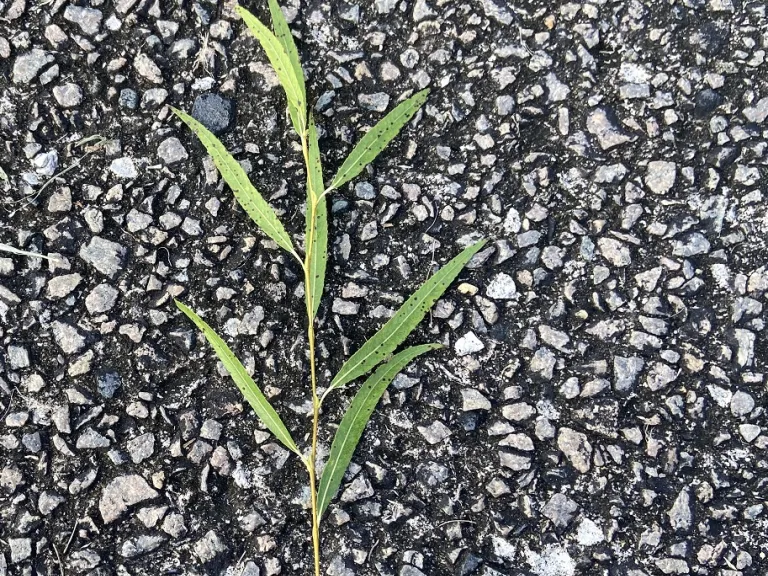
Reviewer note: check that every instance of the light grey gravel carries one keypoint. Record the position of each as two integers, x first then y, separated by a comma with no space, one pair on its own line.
101,299
469,343
28,65
210,546
62,286
121,493
68,95
171,151
67,337
681,515
104,255
377,102
576,448
88,19
124,168
560,510
147,69
501,287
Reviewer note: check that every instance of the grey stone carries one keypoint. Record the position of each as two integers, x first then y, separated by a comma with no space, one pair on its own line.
33,442
615,252
672,566
359,489
501,287
496,10
435,432
210,546
18,357
576,448
106,256
141,447
62,286
124,168
49,501
214,112
741,403
67,337
123,492
142,544
543,363
602,123
468,344
171,151
89,19
745,346
757,113
28,65
515,462
154,98
681,515
101,299
422,11
692,245
556,90
68,95
21,549
128,99
474,400
625,371
660,376
91,440
377,102
147,69
660,176
61,200
560,510
174,525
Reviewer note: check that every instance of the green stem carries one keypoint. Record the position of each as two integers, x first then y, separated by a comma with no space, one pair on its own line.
309,292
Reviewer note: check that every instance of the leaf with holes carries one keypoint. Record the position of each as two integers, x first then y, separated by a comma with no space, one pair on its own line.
405,320
317,221
377,138
356,417
284,66
244,382
284,36
245,192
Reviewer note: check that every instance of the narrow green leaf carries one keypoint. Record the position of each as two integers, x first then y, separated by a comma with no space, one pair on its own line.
317,221
377,138
397,329
352,425
244,382
284,68
3,175
283,34
245,192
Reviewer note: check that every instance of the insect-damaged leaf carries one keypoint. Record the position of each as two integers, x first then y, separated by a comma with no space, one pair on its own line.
244,382
377,138
354,421
245,192
317,221
397,329
284,64
284,36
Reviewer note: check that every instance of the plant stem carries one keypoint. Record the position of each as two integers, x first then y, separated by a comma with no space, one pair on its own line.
309,293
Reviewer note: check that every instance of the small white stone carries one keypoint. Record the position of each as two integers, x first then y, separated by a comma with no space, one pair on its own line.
468,344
